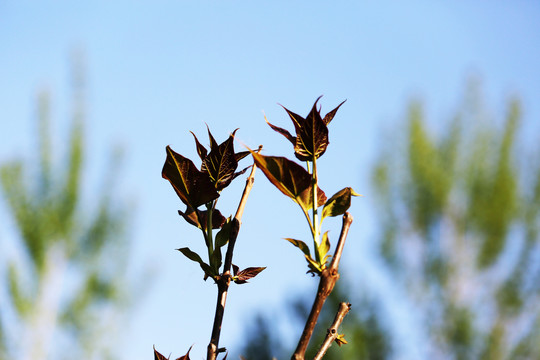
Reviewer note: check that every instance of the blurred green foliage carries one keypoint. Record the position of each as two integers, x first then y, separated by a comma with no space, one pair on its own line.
68,281
460,221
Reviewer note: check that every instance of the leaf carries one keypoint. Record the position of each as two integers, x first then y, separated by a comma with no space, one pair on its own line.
290,178
328,117
191,255
222,237
300,244
192,186
339,203
185,357
158,356
191,217
282,131
241,277
323,248
221,163
340,340
314,267
201,150
235,269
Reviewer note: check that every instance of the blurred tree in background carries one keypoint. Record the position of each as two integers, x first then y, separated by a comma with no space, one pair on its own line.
65,289
459,219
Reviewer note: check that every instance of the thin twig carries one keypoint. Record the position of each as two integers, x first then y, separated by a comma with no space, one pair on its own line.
332,332
224,280
329,277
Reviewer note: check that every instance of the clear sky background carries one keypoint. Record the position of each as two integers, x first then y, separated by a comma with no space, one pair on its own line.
156,70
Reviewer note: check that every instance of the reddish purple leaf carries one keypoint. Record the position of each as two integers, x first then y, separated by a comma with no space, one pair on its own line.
192,186
242,276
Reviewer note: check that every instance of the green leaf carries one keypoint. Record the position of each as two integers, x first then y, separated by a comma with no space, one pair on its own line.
191,255
192,186
339,203
290,178
242,276
323,249
314,267
192,217
222,237
300,244
340,340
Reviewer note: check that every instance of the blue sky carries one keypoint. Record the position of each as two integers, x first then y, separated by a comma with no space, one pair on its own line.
156,70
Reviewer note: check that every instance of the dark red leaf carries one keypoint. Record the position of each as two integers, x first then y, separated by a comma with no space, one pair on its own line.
241,277
201,150
235,269
221,163
158,356
192,186
328,117
191,217
290,178
185,357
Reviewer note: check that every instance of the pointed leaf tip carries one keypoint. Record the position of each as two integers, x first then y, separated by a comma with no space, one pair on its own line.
185,357
158,356
339,203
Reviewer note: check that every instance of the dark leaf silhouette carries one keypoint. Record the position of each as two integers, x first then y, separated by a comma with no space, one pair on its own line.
201,150
311,138
242,276
158,356
339,203
192,186
208,272
194,216
290,178
222,237
221,162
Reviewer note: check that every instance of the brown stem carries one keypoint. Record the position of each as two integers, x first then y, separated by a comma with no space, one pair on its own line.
332,332
329,277
224,280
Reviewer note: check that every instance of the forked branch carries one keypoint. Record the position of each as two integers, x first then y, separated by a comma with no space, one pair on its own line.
329,277
332,332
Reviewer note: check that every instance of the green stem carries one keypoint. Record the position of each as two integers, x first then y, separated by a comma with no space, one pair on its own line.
315,223
209,241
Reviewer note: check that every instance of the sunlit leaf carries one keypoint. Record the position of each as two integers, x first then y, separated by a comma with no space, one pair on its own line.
300,244
290,178
193,216
339,203
208,271
340,340
314,267
192,186
242,276
323,248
